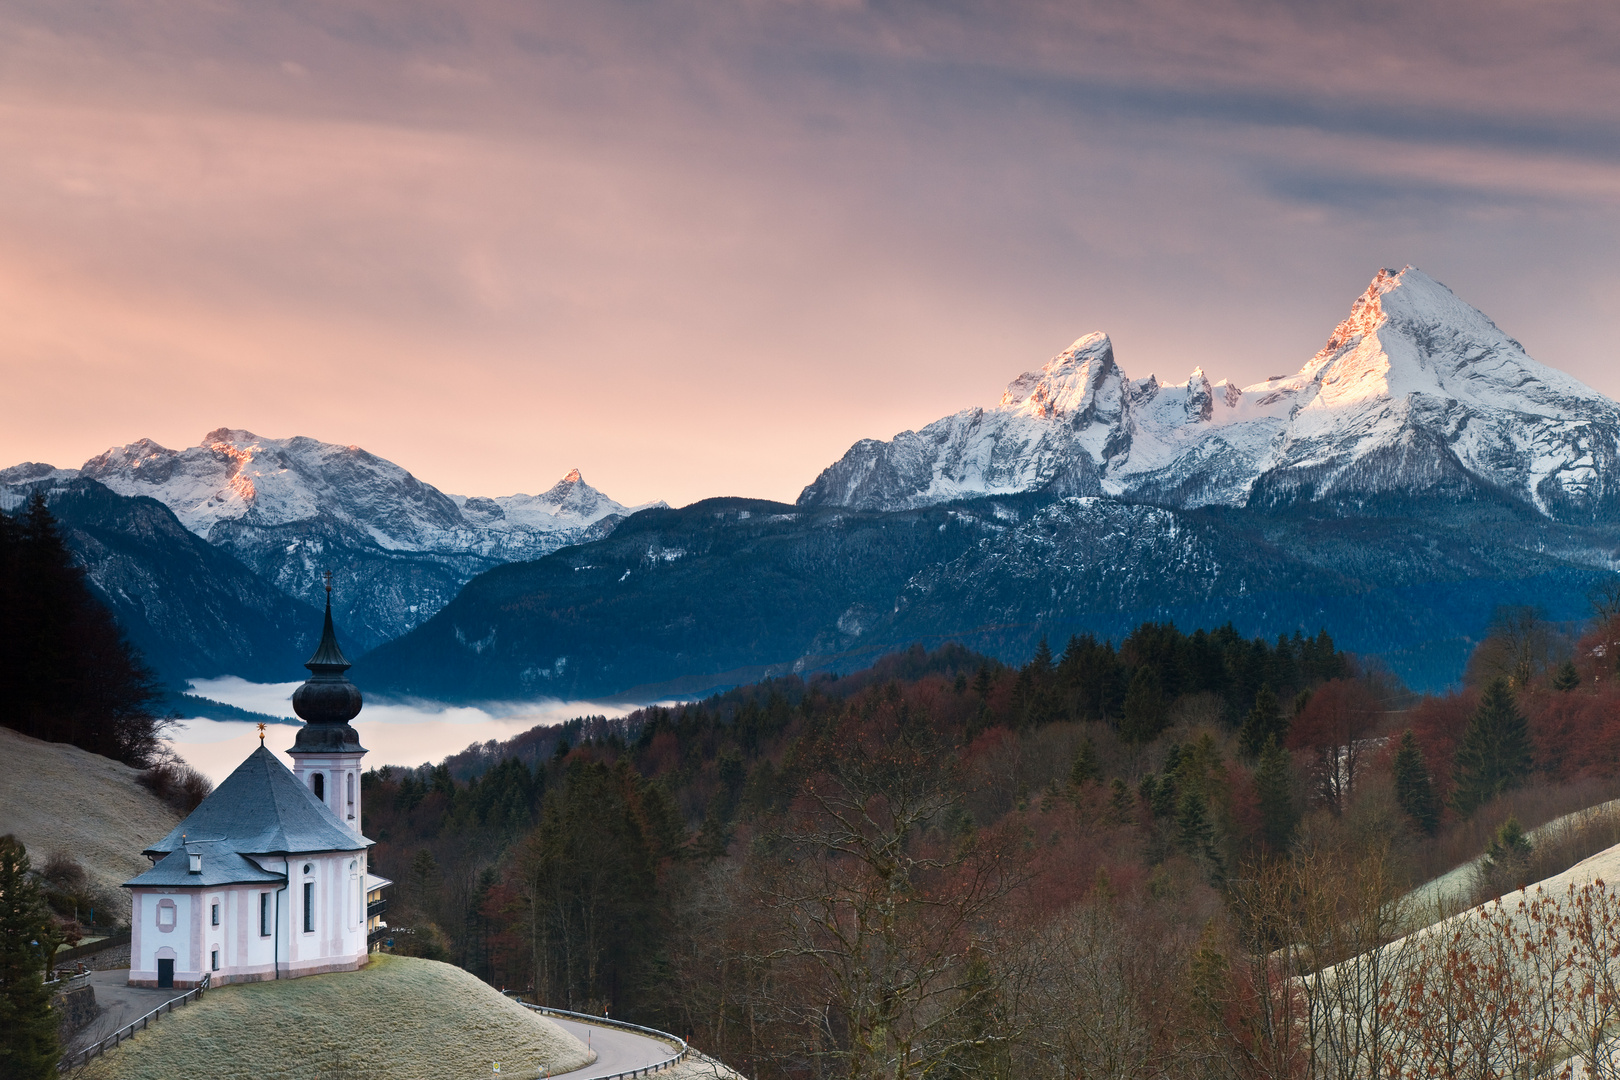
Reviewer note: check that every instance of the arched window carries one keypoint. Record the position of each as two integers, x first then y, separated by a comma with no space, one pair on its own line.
351,796
318,784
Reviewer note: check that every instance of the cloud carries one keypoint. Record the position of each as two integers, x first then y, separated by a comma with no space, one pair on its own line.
698,249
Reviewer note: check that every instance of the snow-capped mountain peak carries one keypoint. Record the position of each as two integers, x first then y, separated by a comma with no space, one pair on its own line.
292,508
1068,383
570,499
1415,390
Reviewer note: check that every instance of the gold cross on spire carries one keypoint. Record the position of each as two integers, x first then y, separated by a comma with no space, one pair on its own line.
261,732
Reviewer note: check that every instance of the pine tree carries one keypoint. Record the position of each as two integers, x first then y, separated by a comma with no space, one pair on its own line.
1085,768
1414,790
1494,755
1119,801
1145,711
1507,858
1163,798
1042,663
1192,822
1195,832
982,682
1264,723
69,673
1274,790
28,1046
1566,678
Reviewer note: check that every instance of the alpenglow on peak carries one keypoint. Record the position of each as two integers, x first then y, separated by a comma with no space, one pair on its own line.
1415,391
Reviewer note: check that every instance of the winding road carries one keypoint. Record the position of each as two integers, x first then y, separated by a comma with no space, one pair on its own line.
617,1051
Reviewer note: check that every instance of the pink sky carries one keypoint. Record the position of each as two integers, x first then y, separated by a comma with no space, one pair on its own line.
700,248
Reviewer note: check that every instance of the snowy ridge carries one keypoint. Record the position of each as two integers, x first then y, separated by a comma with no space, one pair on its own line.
1414,391
238,478
291,509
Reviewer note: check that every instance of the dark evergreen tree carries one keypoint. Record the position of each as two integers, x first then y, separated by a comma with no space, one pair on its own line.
28,1044
1414,789
1195,831
1264,723
1119,800
1085,768
1164,797
1274,791
1566,678
69,674
982,682
1507,858
1494,755
1146,710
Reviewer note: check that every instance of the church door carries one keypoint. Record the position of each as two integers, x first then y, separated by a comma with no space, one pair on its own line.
165,974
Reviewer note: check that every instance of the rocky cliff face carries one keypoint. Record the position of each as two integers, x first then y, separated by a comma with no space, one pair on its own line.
1414,392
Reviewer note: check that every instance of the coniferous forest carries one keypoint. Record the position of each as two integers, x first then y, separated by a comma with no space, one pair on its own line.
70,675
1087,865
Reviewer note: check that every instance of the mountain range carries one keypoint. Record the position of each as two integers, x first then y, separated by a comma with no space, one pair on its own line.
1417,471
1415,392
278,513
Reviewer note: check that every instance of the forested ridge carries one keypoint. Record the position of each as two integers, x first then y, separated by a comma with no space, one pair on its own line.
69,673
942,864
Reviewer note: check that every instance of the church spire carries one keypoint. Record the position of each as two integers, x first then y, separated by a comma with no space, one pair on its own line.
328,658
327,700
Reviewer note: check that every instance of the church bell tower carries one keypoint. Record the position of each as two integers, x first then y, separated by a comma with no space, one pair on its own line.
326,755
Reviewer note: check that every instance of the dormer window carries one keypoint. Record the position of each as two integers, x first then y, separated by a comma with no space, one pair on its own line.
195,858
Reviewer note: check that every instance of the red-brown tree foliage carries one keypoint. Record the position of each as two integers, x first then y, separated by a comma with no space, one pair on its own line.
1438,724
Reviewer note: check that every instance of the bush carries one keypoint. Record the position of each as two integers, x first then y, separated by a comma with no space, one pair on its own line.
177,783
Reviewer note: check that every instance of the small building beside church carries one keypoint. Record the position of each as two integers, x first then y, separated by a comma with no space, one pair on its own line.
267,877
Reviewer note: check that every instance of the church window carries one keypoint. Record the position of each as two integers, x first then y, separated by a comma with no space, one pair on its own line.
213,961
318,782
213,915
166,914
309,868
350,785
264,914
309,907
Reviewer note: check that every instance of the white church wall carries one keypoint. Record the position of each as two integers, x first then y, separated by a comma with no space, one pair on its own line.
246,954
164,925
335,940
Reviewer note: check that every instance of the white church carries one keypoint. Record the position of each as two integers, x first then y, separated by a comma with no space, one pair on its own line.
267,878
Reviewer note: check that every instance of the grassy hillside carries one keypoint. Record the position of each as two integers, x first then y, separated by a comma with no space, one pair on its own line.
398,1017
56,797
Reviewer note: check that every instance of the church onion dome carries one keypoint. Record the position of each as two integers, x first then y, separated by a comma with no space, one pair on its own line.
327,701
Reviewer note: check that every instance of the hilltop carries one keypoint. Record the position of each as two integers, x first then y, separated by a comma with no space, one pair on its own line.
398,1017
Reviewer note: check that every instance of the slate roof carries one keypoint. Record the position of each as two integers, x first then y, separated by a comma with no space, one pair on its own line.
220,866
262,809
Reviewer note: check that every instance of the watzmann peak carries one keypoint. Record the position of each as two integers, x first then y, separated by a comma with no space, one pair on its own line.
1415,390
